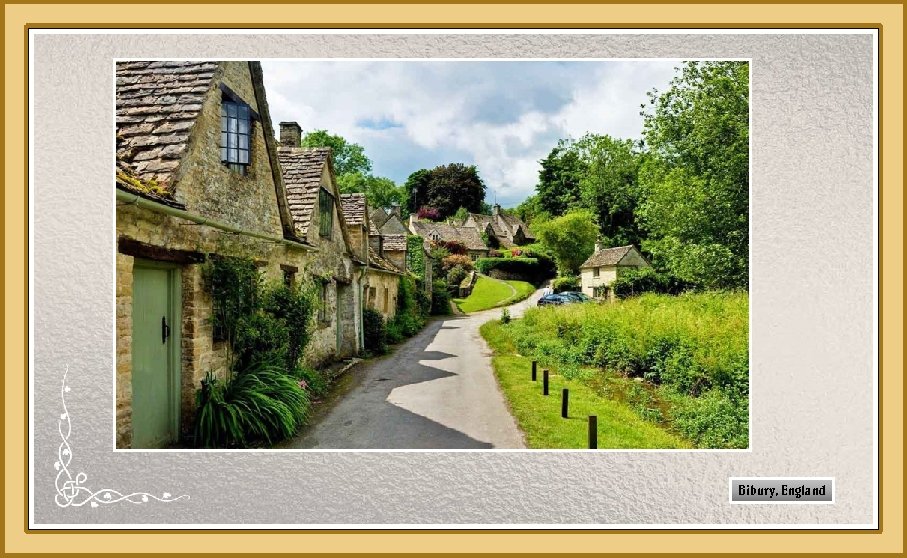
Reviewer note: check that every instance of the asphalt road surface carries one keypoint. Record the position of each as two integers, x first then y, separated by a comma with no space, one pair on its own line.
435,391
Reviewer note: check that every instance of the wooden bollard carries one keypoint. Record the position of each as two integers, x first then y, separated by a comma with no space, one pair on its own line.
593,432
564,397
534,366
545,382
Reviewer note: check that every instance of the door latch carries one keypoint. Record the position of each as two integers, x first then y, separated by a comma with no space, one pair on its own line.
165,329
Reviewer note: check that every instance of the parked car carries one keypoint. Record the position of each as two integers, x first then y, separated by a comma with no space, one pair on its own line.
576,296
553,299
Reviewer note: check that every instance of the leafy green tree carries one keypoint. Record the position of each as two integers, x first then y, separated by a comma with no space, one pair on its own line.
609,186
460,216
558,189
446,188
695,180
380,191
570,239
348,157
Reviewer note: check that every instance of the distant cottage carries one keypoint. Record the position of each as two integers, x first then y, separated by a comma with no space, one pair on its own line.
605,265
502,229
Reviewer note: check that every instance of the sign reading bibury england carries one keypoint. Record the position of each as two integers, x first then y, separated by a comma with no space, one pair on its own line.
782,490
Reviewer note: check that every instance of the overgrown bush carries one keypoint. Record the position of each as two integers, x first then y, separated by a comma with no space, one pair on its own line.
455,276
375,331
561,284
440,298
409,317
635,281
532,270
452,246
505,316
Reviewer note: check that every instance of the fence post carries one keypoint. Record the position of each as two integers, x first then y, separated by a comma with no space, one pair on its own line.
593,432
545,382
566,395
534,365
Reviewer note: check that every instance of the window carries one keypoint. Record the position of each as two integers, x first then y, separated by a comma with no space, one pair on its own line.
235,134
289,274
325,213
595,272
473,256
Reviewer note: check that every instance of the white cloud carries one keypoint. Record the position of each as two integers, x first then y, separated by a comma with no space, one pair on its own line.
501,116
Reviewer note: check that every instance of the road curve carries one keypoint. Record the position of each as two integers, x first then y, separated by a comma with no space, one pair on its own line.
437,390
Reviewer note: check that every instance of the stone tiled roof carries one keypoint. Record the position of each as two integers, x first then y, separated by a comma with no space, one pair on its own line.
377,262
515,223
395,242
377,216
468,236
302,170
353,206
607,256
157,104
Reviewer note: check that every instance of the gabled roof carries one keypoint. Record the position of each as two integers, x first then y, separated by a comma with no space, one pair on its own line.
353,206
393,225
377,216
468,236
377,262
394,242
302,168
157,104
515,223
607,256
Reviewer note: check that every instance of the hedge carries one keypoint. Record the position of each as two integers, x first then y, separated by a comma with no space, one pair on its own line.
533,270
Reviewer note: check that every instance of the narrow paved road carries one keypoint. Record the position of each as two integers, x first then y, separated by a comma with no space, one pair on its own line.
436,391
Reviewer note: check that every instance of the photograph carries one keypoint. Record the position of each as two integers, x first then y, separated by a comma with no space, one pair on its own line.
432,254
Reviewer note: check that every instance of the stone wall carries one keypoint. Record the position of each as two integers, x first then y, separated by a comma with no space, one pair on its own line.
124,350
396,257
382,287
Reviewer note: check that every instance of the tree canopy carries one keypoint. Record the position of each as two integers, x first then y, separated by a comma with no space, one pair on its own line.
569,238
348,157
445,188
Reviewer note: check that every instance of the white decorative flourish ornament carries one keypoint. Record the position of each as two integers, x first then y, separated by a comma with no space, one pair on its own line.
70,491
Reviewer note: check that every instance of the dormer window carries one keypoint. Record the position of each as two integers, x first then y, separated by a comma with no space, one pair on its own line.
235,134
435,236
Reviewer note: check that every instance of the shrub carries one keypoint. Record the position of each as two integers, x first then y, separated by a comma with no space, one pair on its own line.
258,404
456,260
408,319
452,246
311,380
455,276
495,254
505,316
532,270
415,255
561,284
375,331
636,281
429,213
440,298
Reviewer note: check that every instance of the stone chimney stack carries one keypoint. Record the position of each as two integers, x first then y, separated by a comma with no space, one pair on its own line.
598,245
496,209
290,134
395,209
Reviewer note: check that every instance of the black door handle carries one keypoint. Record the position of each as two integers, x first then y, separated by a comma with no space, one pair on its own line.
165,329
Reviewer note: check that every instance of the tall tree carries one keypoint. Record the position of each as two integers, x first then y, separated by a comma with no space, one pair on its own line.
695,181
558,188
569,238
446,188
380,191
348,157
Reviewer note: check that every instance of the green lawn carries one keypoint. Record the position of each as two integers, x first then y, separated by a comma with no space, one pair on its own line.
540,417
490,293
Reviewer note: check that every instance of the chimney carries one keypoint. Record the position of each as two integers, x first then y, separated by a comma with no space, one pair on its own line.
290,134
395,209
496,209
598,245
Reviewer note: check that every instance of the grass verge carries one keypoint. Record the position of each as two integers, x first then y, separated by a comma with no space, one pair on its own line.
491,293
540,417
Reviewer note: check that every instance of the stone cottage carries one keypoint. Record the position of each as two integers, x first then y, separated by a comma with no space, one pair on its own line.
382,279
502,230
605,265
468,236
339,269
197,175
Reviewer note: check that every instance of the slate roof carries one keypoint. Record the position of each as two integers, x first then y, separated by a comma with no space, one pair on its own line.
377,262
468,236
377,216
515,223
353,206
394,242
302,168
607,256
157,104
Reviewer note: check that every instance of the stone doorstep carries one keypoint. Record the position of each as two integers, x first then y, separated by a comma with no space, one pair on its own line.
340,368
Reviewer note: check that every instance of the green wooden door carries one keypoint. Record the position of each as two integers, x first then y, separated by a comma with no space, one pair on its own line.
155,340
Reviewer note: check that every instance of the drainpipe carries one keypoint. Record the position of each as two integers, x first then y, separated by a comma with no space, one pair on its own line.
144,203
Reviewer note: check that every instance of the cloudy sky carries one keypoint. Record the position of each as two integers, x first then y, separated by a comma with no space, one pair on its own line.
501,116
